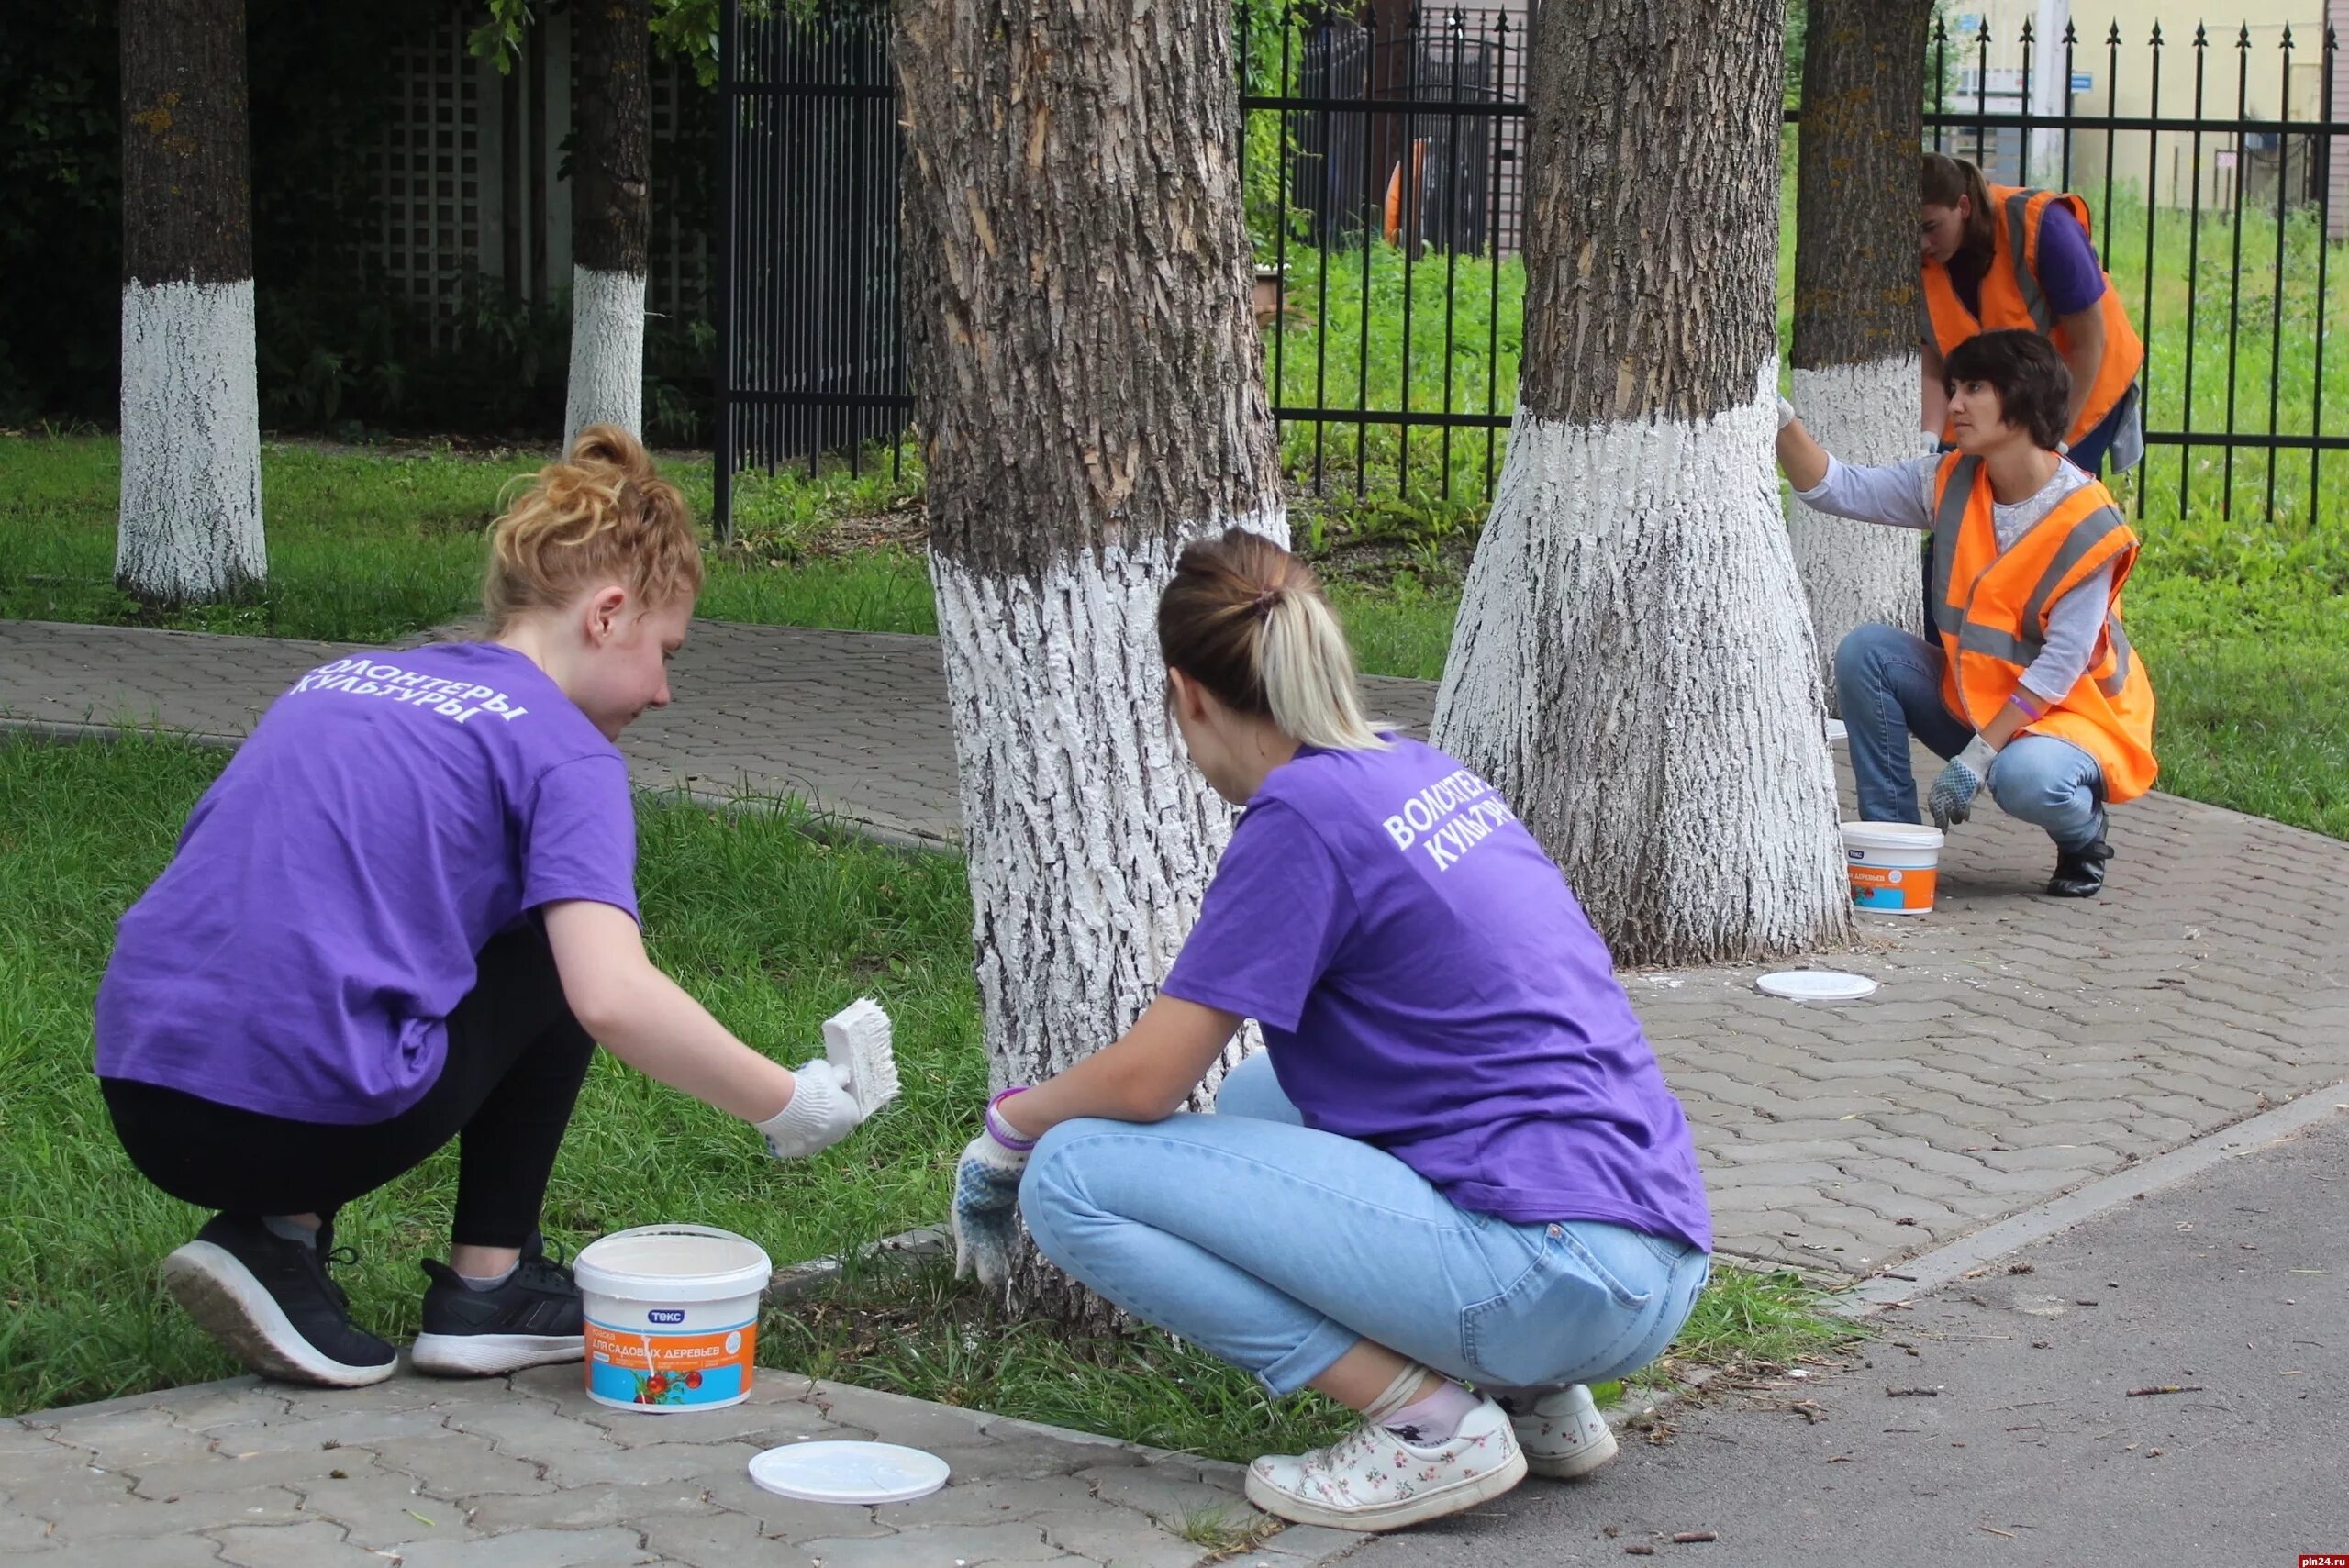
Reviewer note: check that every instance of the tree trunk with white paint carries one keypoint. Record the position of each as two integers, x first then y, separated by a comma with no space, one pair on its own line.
1855,320
1633,666
610,217
1088,383
190,531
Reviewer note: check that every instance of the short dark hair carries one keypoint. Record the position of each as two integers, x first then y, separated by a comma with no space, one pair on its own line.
2034,385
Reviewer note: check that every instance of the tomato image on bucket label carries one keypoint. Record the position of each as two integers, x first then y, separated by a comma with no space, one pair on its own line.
629,1366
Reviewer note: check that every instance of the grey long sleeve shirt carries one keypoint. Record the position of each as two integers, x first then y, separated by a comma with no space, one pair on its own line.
1901,496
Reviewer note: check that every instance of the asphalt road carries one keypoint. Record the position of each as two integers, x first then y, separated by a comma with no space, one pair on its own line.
2029,1448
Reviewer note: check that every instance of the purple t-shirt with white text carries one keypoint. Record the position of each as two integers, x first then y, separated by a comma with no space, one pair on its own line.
1428,984
390,813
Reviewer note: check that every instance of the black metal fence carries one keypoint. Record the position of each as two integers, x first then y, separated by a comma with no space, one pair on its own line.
1384,165
810,349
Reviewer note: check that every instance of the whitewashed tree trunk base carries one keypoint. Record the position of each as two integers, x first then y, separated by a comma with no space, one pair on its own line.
1632,668
1089,835
607,384
1853,573
191,520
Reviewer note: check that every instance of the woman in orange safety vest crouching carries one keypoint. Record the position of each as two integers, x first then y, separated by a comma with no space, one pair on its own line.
2027,682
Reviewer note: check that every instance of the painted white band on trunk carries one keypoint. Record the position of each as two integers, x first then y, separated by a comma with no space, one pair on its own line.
607,352
1633,669
1855,573
191,520
1089,835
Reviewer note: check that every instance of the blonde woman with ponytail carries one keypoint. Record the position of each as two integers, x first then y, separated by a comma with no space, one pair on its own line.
1455,1162
405,914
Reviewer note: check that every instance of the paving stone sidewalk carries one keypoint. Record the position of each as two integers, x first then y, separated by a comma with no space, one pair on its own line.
2018,1047
526,1472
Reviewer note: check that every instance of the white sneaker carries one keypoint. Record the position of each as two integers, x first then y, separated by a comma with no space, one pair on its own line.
1374,1480
1564,1435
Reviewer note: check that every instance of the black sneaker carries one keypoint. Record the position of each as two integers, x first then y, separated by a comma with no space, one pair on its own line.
2079,873
269,1303
534,1319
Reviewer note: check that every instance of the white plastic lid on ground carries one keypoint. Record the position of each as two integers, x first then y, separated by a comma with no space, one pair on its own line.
849,1472
1815,985
1836,731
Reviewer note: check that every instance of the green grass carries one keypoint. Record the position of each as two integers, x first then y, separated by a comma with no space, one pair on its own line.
367,547
774,929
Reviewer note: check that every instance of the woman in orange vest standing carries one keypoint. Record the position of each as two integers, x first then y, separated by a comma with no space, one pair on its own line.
1998,257
2027,682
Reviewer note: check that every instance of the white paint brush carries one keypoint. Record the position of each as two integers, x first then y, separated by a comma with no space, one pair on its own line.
856,1042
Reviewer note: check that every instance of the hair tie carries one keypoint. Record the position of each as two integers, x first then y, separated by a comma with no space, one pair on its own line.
1266,598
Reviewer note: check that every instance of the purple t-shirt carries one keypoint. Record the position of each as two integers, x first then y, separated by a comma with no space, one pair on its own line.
2068,272
389,815
1428,984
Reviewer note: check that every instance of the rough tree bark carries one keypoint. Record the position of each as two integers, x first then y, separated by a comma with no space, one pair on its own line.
610,217
1631,665
1089,388
191,521
1855,346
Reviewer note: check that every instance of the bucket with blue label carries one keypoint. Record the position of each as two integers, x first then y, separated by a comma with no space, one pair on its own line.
672,1317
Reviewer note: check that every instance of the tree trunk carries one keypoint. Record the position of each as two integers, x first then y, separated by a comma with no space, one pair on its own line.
1631,665
1089,387
1855,341
610,217
191,523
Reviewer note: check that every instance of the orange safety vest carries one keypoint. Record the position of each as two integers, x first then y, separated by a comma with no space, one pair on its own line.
2011,298
1990,610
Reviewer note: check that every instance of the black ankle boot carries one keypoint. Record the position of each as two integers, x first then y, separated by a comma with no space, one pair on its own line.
2079,873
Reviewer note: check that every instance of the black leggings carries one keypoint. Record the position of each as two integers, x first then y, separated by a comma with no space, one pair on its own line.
515,1062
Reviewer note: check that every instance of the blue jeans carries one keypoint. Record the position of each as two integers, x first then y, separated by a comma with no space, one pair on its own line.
1276,1248
1888,687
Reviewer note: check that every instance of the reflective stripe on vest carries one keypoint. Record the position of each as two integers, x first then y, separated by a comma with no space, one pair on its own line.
2112,684
2020,235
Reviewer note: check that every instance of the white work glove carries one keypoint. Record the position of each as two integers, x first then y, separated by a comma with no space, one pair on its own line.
1786,413
821,1114
1952,794
984,1218
1929,443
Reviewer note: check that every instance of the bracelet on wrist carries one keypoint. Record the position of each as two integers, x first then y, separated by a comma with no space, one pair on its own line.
999,1127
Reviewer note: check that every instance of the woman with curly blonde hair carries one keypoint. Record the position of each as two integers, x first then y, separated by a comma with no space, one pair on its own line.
405,914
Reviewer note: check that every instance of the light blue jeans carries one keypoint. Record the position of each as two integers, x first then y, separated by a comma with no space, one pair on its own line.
1276,1248
1888,687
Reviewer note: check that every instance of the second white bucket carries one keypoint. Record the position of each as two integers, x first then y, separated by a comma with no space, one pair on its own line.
672,1317
1893,866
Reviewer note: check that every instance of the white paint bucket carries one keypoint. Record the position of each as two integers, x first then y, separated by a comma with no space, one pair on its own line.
1893,866
672,1317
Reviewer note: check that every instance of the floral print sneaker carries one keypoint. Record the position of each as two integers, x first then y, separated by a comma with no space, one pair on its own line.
1375,1480
1563,1433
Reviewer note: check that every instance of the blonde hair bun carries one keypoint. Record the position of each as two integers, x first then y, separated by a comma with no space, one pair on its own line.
602,515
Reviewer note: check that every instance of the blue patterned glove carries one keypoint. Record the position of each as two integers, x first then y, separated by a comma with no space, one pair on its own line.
1952,799
987,1199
